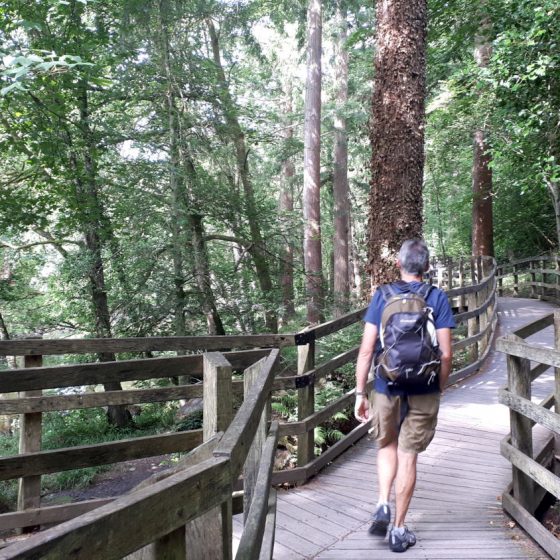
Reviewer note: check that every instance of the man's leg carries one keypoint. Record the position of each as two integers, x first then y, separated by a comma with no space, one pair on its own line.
386,470
404,487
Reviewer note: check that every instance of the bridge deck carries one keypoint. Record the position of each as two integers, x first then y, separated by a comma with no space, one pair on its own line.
456,510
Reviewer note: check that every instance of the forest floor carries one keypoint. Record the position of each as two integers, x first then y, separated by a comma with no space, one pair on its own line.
118,480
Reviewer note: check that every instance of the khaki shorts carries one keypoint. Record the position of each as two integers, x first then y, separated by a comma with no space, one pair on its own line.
418,427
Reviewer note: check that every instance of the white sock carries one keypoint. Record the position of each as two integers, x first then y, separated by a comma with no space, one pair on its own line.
399,531
382,503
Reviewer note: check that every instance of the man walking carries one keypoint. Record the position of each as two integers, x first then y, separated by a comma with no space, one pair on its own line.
406,397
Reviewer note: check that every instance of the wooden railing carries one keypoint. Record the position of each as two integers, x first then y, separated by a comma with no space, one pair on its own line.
470,285
534,473
191,505
538,276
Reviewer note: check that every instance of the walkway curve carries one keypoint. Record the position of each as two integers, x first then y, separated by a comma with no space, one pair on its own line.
456,510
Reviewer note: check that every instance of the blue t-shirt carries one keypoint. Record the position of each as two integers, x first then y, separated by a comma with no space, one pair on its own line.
437,300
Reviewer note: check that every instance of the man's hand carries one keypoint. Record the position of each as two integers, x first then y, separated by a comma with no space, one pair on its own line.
361,409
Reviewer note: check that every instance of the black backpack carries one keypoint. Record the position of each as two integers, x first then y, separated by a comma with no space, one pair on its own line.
410,356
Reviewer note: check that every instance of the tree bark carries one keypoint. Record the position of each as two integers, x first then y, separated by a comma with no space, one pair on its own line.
285,211
202,274
397,134
483,228
91,219
176,184
340,179
258,252
312,166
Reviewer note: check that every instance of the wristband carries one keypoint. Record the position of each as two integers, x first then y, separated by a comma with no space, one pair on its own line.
361,394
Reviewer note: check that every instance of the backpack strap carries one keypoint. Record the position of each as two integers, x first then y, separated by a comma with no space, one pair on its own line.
424,291
388,291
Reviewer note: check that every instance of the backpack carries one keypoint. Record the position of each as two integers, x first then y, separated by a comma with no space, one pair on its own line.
410,356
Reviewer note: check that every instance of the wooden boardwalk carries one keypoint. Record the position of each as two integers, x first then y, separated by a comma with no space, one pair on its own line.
456,511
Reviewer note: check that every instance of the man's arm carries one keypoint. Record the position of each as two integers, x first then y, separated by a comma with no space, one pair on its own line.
444,342
365,356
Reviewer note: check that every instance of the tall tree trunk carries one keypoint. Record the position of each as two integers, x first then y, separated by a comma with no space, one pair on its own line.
354,266
483,228
340,179
285,211
397,133
258,252
91,219
202,274
312,166
176,184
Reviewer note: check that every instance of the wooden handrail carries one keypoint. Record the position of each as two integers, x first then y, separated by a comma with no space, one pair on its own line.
47,347
253,531
142,517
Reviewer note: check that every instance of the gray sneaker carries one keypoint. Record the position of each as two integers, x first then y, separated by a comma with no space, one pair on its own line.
380,521
400,542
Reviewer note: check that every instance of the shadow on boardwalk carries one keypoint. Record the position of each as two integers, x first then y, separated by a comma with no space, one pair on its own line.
456,510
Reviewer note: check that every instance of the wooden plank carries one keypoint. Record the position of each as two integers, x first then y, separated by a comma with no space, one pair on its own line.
534,327
538,370
537,531
47,347
464,372
335,325
172,546
252,462
218,406
253,532
521,349
199,454
531,468
44,462
529,409
267,547
314,375
126,370
105,398
306,404
132,521
476,309
211,534
238,437
47,515
30,435
334,451
312,421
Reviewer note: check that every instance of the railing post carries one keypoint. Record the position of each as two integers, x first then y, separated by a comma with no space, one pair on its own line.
251,467
306,403
461,283
449,273
472,326
544,277
210,535
29,489
515,281
556,281
500,272
479,268
557,372
440,278
519,383
483,318
532,279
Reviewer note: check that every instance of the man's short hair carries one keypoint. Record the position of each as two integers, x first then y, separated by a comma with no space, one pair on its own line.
414,256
